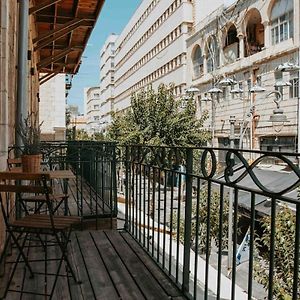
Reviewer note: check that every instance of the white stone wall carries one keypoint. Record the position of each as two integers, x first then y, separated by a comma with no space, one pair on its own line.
107,71
152,49
52,108
93,103
259,65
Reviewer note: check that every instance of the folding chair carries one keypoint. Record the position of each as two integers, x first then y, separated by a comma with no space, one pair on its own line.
59,227
14,164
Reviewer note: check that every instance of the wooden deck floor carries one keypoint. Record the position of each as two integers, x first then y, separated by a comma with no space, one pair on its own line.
110,264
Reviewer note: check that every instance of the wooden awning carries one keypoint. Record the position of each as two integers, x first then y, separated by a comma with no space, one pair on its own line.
63,29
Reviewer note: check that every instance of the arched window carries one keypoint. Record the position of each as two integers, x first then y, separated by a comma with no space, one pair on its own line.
231,37
282,24
213,54
231,47
255,35
198,62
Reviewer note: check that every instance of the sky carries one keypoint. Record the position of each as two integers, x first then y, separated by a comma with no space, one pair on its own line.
114,16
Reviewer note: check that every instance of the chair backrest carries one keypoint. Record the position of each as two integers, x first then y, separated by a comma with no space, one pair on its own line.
18,183
14,164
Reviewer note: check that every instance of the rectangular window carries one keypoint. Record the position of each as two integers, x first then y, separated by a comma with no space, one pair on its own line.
96,106
282,28
294,88
96,118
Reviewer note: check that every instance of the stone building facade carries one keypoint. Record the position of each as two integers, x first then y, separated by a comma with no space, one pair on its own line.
9,34
242,45
152,49
52,109
92,106
107,80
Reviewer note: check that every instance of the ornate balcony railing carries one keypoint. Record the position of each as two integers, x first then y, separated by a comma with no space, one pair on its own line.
226,231
92,191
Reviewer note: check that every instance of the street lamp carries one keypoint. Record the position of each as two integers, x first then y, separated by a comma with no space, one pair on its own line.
277,118
189,93
214,94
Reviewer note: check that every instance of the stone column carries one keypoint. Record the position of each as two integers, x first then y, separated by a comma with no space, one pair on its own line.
241,45
267,34
204,64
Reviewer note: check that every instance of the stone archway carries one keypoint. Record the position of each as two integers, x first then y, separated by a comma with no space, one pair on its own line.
255,36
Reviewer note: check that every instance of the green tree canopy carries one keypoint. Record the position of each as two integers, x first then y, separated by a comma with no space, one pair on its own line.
156,118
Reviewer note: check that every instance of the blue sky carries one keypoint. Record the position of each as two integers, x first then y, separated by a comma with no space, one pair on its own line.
113,18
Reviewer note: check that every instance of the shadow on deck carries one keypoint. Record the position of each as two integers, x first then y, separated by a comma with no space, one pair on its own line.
110,264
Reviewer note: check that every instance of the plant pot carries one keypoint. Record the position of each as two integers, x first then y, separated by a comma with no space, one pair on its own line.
31,163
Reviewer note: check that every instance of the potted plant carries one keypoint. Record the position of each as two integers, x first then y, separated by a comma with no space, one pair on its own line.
30,131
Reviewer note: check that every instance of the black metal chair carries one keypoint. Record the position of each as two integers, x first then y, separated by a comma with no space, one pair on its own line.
22,185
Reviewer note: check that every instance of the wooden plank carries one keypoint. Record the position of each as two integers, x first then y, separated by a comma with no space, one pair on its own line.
100,280
165,282
17,281
144,279
75,289
37,283
23,176
122,279
85,286
61,291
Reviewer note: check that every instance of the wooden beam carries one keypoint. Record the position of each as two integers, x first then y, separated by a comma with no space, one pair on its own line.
45,62
58,30
42,5
61,34
49,75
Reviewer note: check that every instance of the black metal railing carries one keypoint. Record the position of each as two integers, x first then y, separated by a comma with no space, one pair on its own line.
93,191
220,231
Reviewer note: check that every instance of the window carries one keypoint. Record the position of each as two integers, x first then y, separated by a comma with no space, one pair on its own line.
279,143
96,118
278,79
96,106
198,62
294,88
282,25
96,95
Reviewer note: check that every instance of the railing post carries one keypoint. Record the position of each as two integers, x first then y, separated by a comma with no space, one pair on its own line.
114,181
188,220
126,186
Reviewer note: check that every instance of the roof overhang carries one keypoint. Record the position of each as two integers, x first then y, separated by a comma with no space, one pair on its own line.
63,29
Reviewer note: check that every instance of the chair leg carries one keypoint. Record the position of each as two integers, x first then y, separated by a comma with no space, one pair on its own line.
63,249
3,254
20,248
15,267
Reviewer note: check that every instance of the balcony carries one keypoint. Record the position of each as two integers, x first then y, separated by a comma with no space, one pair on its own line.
178,224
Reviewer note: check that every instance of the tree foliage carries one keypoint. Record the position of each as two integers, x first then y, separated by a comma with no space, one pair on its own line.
155,118
199,217
285,225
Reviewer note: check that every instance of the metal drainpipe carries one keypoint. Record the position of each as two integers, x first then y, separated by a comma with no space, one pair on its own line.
4,78
22,83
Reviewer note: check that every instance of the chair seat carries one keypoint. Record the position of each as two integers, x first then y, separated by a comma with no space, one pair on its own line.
41,198
41,221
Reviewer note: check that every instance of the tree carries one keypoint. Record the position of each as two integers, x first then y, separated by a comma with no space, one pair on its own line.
285,227
155,118
199,216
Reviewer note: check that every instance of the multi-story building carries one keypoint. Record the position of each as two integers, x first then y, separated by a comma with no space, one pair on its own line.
107,81
52,110
242,46
92,107
152,49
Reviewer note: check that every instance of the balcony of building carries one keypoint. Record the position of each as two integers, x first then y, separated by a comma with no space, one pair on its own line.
155,224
